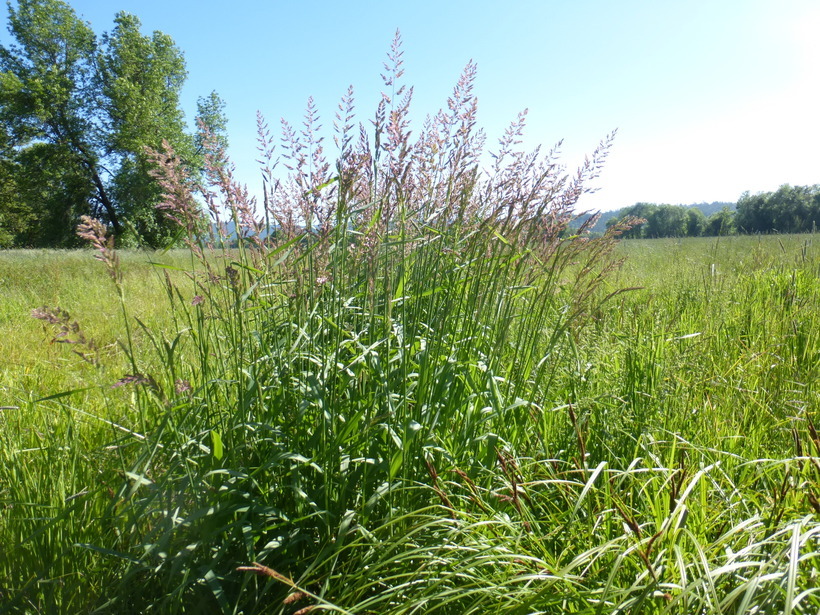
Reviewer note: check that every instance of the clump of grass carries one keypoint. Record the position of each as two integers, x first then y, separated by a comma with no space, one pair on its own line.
364,329
402,386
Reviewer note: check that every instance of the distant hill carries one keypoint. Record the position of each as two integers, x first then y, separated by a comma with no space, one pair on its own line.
707,208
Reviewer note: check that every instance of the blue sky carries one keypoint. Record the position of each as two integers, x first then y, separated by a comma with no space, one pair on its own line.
710,97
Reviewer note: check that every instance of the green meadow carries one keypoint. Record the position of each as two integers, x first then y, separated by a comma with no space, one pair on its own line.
456,429
400,375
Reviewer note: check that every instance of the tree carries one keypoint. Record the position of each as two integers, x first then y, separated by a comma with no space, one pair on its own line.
51,193
211,119
140,81
638,210
45,91
753,214
89,107
666,221
695,222
721,223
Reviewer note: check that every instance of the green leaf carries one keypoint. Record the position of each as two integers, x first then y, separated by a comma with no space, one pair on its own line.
62,394
589,484
395,463
216,440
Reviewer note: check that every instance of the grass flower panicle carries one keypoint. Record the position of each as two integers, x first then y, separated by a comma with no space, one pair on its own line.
94,232
68,331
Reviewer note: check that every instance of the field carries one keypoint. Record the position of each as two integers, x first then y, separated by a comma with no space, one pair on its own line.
452,431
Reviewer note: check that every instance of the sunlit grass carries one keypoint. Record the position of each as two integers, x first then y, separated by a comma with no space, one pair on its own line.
691,399
417,394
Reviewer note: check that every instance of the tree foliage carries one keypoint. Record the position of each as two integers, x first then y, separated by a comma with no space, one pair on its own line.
695,222
721,223
667,221
790,209
211,119
76,114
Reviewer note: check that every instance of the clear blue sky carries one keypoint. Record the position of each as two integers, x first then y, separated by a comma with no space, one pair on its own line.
710,97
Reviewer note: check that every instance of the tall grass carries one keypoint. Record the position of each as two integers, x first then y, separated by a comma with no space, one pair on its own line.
405,388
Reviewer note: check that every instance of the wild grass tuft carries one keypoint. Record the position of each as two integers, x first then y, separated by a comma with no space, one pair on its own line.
399,384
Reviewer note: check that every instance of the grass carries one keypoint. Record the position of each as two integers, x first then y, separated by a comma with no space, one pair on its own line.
420,396
670,463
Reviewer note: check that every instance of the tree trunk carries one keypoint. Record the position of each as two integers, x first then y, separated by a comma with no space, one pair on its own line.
102,194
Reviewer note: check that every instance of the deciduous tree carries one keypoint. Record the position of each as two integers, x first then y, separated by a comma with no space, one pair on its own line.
76,113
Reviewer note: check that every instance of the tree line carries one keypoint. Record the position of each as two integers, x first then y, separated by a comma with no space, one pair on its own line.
789,209
77,112
674,221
